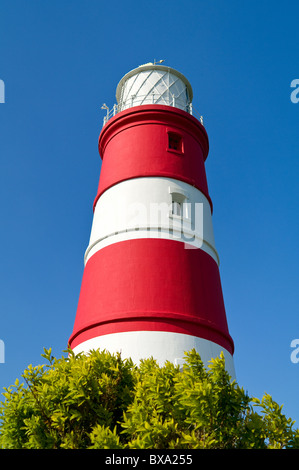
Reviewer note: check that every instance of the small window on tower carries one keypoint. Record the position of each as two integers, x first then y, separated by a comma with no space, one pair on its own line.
175,142
178,206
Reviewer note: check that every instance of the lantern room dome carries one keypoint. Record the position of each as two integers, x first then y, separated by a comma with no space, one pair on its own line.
154,84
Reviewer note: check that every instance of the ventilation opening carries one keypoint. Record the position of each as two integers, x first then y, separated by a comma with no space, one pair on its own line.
175,142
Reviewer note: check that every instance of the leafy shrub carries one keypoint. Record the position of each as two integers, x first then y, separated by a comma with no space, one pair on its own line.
100,401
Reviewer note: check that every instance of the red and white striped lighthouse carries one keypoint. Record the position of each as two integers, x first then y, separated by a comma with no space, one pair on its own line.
151,284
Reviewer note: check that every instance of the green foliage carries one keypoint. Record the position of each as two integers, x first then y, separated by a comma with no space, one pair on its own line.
61,404
99,401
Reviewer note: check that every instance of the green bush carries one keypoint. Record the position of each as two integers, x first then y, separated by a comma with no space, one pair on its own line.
99,401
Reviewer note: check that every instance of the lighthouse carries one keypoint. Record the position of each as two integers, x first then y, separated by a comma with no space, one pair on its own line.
151,282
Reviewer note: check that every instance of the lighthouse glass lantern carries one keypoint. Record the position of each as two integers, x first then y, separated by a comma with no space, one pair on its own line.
151,283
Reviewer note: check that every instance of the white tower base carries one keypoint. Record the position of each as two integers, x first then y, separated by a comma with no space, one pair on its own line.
161,345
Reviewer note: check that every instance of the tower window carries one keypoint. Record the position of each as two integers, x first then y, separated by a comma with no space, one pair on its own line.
175,142
177,208
177,204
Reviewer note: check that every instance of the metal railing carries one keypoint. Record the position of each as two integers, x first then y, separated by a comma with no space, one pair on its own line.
175,102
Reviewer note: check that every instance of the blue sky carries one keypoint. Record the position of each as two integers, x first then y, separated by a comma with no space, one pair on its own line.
60,61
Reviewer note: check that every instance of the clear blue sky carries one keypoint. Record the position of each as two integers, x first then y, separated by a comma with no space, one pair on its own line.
60,61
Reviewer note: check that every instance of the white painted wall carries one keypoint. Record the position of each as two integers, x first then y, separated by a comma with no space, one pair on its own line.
161,345
142,208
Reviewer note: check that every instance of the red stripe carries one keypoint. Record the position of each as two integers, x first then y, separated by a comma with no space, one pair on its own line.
135,144
153,285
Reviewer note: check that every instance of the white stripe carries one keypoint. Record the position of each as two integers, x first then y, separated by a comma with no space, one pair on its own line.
142,208
162,346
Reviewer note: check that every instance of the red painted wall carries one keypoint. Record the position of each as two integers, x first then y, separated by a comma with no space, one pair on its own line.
151,284
135,144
